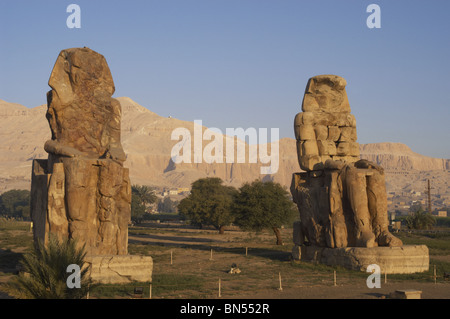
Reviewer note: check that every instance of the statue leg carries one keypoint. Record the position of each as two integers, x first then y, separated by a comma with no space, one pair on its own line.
357,195
339,228
377,198
81,200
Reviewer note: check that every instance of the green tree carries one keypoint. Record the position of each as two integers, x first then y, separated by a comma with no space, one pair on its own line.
210,202
167,205
47,275
420,220
141,198
137,208
264,205
415,207
15,203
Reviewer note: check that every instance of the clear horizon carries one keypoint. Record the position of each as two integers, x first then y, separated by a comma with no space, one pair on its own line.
246,63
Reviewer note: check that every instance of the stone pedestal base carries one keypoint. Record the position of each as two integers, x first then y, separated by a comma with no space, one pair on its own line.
407,259
114,269
406,294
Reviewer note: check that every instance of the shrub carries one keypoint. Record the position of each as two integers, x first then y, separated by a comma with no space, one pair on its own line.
45,273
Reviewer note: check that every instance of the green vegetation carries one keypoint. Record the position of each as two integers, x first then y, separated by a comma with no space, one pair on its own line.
141,198
443,221
420,220
261,205
167,205
210,202
163,217
15,204
255,206
437,243
45,273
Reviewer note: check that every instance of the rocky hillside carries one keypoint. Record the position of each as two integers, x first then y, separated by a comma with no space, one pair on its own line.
397,156
146,138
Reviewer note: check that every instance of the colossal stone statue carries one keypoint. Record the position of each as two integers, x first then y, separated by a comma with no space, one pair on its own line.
83,191
342,200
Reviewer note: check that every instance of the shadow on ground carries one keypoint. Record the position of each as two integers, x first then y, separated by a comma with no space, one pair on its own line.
199,244
9,261
175,238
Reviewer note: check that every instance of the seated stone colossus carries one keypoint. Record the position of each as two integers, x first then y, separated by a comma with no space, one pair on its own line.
82,191
342,199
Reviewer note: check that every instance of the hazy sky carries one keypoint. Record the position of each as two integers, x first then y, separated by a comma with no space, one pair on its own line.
245,63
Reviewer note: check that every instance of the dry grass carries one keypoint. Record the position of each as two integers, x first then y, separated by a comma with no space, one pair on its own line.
191,273
260,269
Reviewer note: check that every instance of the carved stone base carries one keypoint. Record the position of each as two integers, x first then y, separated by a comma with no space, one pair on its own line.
114,269
84,199
407,259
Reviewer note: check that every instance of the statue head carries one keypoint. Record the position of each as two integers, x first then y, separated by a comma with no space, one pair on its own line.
326,93
78,73
83,116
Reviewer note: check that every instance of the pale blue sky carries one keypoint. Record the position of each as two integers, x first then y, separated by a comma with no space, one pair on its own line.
245,63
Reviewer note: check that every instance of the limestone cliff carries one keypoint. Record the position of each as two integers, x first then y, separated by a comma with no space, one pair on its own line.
400,157
146,139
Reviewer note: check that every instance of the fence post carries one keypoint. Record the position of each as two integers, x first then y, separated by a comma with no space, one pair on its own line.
279,278
434,273
334,275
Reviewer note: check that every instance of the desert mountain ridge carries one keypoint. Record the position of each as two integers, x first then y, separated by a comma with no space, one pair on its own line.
146,138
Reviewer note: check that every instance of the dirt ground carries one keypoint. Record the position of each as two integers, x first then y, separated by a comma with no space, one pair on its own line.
355,291
193,263
261,268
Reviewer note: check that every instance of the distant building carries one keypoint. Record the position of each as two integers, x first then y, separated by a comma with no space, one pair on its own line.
440,213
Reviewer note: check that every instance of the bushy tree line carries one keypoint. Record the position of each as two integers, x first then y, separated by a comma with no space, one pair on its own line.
254,206
15,203
167,205
143,197
420,220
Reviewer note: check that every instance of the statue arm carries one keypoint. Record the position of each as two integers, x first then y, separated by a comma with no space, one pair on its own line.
54,147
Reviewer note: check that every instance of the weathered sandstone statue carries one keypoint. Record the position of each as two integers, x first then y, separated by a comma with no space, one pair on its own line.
83,191
342,200
89,191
